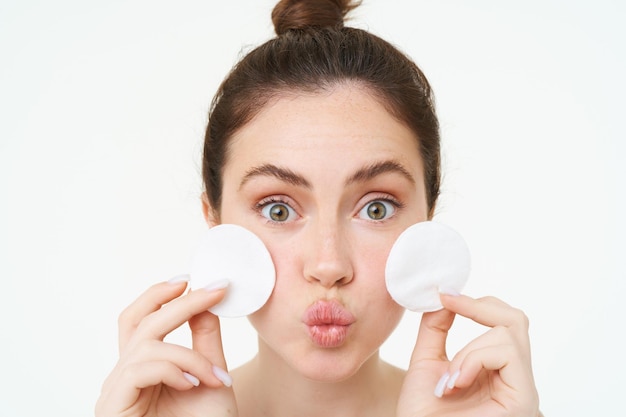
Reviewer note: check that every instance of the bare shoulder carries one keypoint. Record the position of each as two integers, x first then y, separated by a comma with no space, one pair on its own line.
243,374
394,377
243,385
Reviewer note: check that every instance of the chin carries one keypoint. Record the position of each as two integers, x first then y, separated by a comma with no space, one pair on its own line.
329,365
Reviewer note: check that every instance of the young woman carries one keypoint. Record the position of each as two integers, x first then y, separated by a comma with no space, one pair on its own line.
323,142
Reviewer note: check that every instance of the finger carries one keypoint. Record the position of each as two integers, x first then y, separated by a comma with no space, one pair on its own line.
151,351
485,359
498,336
432,335
185,359
172,315
148,374
489,358
207,338
150,301
509,379
488,311
136,377
491,312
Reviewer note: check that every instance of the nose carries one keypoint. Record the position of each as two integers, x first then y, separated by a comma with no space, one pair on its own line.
327,255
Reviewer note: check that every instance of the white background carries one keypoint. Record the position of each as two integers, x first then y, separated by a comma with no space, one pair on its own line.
102,114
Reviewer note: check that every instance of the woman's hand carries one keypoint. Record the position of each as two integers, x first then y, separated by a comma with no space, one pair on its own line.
153,377
491,376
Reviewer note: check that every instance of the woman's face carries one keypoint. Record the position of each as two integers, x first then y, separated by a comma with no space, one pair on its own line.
328,181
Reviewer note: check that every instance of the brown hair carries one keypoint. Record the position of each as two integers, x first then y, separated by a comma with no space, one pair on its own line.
315,51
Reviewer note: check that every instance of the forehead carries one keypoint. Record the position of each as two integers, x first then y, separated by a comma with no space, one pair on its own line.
319,129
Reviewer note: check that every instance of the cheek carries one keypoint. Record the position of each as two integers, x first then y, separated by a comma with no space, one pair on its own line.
289,280
370,253
287,260
370,266
378,306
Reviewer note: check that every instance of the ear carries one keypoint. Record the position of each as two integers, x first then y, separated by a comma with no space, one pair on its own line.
211,216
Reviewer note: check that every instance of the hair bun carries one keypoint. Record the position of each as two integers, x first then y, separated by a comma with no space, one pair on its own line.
299,14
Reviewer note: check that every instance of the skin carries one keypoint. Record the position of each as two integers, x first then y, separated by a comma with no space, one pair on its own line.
328,249
311,157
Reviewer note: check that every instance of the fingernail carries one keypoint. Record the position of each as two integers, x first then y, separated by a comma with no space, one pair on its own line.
217,285
195,381
453,379
223,376
441,385
449,291
179,278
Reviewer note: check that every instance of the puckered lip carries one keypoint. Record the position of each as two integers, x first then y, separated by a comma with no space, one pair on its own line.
327,313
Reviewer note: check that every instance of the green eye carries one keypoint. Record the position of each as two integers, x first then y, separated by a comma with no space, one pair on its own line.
278,212
377,210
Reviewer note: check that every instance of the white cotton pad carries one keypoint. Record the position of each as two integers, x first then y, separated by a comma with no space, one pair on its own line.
426,257
232,252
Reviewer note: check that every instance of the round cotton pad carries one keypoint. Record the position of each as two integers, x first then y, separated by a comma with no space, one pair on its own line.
232,252
426,257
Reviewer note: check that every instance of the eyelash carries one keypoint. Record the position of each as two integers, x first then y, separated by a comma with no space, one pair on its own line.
383,198
258,207
261,205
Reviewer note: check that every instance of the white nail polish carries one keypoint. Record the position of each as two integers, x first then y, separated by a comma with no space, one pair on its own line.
195,381
217,285
179,278
223,376
449,291
441,385
453,379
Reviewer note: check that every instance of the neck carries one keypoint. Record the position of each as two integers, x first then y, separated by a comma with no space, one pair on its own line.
269,387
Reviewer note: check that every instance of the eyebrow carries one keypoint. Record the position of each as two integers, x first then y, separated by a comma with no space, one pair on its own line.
362,175
271,170
371,171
